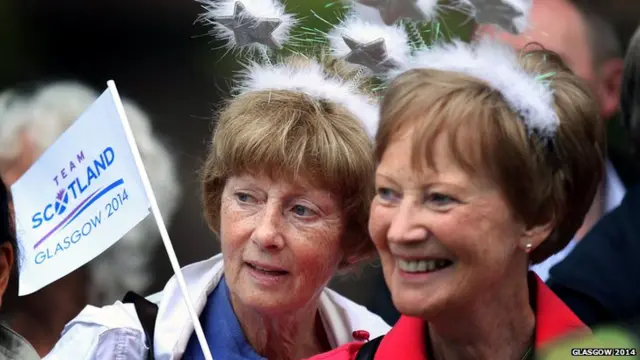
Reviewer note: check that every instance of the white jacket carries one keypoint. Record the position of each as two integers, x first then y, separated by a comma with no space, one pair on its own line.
114,331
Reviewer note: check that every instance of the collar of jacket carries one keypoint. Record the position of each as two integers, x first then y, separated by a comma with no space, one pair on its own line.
340,316
553,320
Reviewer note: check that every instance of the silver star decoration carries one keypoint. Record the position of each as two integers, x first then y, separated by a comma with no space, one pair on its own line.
248,29
372,55
496,12
394,10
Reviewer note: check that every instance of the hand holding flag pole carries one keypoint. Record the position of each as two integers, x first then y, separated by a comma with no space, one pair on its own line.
160,222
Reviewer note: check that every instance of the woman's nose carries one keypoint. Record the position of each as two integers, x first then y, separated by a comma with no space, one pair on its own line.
405,226
268,234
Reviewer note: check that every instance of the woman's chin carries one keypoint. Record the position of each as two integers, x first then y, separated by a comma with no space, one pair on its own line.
423,308
269,306
417,302
267,300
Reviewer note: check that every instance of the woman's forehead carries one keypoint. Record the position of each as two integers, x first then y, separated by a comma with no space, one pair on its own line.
439,163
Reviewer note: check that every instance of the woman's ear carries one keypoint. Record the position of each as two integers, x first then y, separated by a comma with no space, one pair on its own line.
533,236
609,86
6,266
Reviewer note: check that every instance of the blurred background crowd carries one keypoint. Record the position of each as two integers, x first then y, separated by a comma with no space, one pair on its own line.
175,76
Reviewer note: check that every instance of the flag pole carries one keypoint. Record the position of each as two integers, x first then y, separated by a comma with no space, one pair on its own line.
159,221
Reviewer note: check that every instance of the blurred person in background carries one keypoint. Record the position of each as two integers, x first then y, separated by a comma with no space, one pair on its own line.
588,44
600,279
12,345
31,119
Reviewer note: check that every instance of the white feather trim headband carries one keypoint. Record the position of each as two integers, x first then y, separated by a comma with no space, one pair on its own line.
497,65
386,50
313,81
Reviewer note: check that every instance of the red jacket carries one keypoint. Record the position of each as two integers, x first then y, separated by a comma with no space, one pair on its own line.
406,339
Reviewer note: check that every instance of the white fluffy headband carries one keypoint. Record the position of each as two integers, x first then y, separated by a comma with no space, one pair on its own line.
263,25
313,81
497,65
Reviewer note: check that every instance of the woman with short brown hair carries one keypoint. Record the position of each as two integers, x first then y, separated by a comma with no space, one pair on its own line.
290,135
475,182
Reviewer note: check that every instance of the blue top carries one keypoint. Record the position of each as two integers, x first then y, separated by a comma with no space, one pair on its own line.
222,330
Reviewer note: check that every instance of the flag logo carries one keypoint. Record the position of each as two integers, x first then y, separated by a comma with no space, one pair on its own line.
80,197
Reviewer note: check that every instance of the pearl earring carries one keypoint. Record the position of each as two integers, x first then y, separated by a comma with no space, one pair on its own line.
528,248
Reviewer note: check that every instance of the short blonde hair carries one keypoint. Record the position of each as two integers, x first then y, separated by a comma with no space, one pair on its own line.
290,135
541,181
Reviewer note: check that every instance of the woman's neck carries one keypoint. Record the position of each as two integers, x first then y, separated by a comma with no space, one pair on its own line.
291,336
499,325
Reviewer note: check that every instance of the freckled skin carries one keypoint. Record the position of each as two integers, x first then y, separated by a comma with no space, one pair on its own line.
292,226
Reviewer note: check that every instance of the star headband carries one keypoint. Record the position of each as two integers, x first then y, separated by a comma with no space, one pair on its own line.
263,25
253,24
510,15
379,46
385,49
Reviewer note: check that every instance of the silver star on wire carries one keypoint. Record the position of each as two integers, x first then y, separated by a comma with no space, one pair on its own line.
496,12
248,29
394,10
372,55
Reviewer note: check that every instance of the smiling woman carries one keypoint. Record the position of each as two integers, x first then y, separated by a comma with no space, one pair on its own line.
474,185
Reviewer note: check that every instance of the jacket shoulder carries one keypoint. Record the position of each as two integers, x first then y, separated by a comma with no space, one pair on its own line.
156,298
110,332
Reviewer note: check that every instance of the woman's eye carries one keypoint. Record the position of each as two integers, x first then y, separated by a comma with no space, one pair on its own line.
386,194
243,197
303,211
440,199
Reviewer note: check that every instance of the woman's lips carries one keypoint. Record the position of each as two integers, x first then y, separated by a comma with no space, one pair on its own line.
266,267
266,275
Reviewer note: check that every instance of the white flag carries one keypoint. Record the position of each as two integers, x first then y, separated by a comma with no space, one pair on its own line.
79,198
